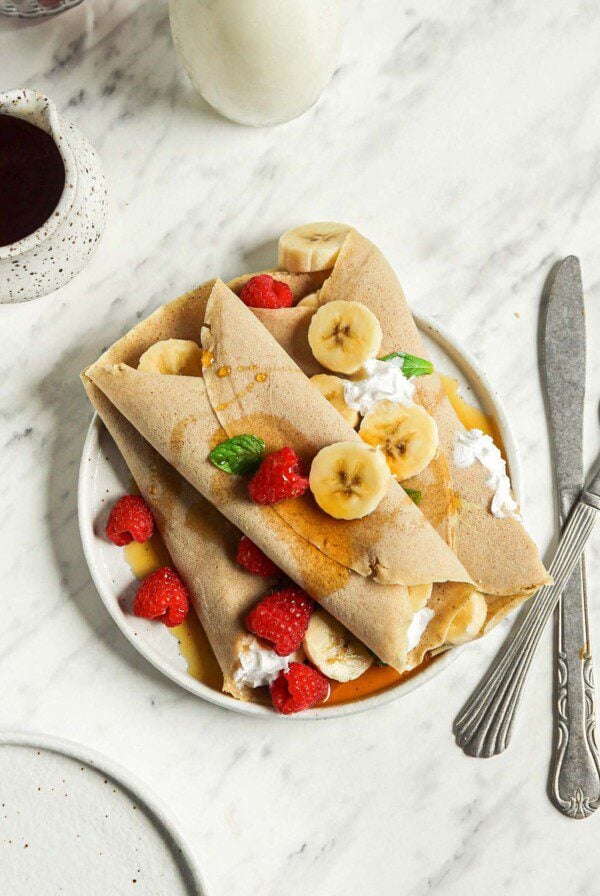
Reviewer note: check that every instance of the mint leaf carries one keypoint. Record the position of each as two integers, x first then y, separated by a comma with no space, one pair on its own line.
415,494
241,454
411,365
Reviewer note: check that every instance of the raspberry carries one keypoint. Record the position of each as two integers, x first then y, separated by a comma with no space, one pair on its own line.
299,688
162,595
252,558
282,618
265,292
130,519
277,478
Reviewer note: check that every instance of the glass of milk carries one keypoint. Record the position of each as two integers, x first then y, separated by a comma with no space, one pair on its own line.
258,62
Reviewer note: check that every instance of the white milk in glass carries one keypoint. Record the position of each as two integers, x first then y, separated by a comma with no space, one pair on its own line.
258,62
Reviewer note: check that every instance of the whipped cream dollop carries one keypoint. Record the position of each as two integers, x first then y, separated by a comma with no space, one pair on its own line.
384,380
259,665
475,446
419,623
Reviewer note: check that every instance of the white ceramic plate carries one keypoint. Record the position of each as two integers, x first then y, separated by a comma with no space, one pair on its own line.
103,477
75,822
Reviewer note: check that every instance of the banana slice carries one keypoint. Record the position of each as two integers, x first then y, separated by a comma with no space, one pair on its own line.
349,480
408,436
312,247
173,356
332,387
419,595
469,621
333,649
310,301
343,335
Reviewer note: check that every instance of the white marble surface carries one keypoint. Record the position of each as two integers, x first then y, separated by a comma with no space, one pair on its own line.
462,138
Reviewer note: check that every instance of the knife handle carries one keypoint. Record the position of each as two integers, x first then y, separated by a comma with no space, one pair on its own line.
575,778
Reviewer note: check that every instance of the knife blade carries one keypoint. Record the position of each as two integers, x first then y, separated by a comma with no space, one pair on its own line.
564,367
575,778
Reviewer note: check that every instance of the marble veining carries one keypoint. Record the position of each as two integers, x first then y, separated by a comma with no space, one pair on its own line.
464,140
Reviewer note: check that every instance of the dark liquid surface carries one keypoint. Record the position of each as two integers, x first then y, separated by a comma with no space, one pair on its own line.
32,178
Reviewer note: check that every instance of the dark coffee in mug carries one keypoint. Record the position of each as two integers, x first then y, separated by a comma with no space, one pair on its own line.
32,178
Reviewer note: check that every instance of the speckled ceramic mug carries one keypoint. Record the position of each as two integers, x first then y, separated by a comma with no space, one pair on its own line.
50,256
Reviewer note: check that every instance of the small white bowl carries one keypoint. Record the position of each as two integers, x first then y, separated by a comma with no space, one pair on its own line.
103,477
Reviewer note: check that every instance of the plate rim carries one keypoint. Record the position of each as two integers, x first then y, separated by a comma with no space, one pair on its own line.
128,780
466,362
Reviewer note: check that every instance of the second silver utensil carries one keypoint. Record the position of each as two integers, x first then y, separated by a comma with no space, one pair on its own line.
484,726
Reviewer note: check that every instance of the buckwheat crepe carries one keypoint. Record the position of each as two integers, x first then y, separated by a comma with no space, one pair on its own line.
197,537
497,552
176,417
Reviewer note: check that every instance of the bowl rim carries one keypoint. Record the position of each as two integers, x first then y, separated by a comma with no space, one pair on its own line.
490,399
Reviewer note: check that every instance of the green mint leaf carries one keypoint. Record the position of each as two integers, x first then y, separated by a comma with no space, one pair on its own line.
242,454
415,494
411,365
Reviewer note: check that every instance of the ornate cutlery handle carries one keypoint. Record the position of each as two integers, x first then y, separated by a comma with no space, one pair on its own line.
575,783
484,726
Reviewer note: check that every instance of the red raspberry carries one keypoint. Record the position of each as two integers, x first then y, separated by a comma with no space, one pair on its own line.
282,618
163,596
130,519
299,688
265,292
277,478
254,560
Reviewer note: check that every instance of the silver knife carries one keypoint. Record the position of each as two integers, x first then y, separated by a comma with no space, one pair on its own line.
484,725
575,778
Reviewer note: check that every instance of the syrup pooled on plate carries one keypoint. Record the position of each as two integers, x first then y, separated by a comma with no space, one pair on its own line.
193,643
470,416
32,178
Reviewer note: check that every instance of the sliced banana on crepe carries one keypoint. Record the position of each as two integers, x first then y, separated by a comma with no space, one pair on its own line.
419,595
469,621
312,247
407,435
348,480
310,301
332,387
334,650
173,356
343,335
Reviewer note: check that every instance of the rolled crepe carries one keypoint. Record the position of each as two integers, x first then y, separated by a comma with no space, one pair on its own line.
498,553
265,393
290,326
175,415
197,537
